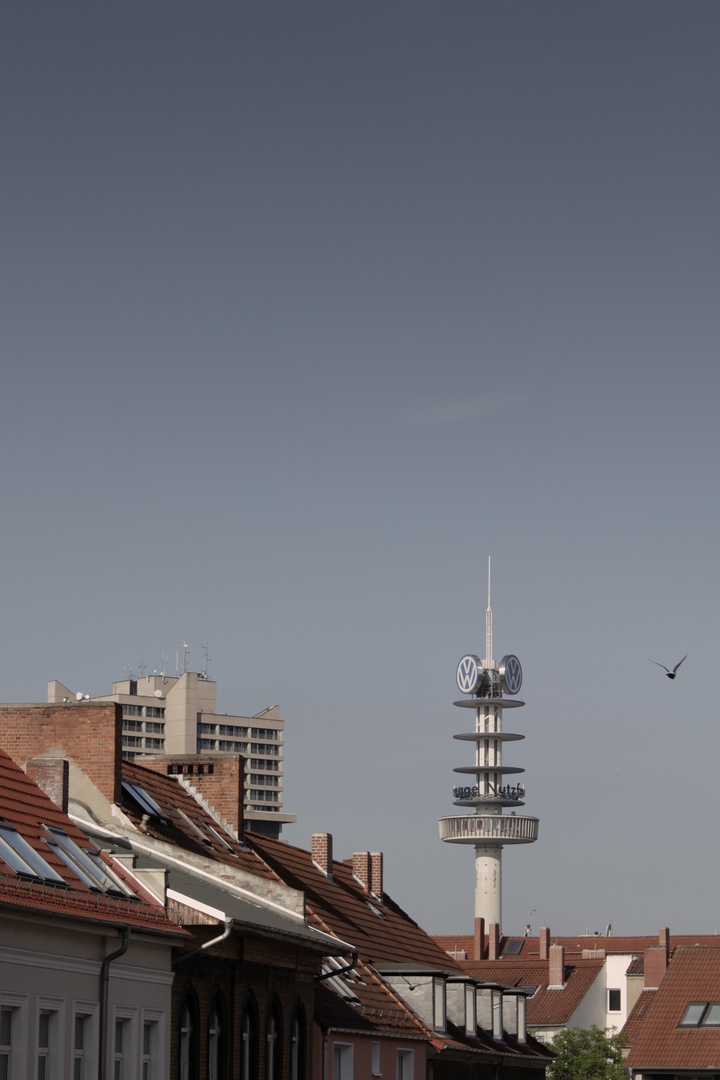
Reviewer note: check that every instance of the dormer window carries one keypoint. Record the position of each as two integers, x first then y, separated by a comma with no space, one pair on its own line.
470,1010
497,1015
439,1021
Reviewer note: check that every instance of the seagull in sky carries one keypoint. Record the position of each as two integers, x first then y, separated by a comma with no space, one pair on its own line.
670,674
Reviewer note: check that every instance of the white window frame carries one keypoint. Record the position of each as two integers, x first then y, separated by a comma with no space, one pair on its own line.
128,1055
17,1004
342,1061
88,1012
497,1015
404,1064
375,1059
470,1010
53,1053
156,1058
521,1018
614,990
439,1005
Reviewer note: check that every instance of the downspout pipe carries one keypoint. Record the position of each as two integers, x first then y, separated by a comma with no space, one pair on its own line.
208,944
104,986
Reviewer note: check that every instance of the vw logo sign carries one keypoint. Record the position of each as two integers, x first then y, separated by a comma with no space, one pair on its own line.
511,674
469,674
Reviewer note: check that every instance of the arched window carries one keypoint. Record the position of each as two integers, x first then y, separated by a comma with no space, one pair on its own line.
217,1039
298,1043
273,1056
188,1040
250,1044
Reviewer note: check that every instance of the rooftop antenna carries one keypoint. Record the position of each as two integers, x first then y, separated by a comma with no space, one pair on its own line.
142,667
185,652
488,625
207,657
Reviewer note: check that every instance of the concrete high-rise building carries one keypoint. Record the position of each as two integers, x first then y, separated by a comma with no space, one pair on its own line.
487,828
175,716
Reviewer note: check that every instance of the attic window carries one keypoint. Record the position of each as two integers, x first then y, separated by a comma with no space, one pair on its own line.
701,1014
144,801
85,863
23,858
192,826
529,989
513,946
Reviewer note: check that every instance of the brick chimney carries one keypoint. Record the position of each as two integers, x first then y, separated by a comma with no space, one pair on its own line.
656,962
557,967
664,937
322,853
479,943
219,781
361,866
89,734
544,942
376,874
494,941
51,775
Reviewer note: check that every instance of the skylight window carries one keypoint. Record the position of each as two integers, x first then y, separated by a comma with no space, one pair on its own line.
144,801
192,826
85,863
23,858
701,1014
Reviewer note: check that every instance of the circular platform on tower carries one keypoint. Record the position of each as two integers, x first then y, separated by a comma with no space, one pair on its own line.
479,703
502,736
489,829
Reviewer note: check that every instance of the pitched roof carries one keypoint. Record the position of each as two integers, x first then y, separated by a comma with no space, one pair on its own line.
575,945
693,975
63,891
184,821
545,1007
381,931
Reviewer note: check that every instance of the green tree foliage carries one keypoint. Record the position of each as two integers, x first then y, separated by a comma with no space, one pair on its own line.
587,1055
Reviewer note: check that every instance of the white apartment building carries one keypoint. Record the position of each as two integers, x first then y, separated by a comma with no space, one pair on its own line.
175,715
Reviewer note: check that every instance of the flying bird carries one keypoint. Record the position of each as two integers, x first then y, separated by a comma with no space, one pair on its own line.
670,674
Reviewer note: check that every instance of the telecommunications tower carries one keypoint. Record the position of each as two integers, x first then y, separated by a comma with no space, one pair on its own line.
486,827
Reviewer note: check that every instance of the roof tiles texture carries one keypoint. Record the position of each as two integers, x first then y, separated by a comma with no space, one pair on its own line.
576,945
546,1007
382,931
24,806
693,975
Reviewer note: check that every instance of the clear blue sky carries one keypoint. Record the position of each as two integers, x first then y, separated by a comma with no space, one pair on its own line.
310,307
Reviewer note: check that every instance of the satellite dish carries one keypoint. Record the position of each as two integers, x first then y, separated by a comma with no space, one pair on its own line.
78,696
158,693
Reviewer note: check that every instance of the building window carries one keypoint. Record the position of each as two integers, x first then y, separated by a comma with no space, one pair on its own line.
522,1020
375,1059
614,1000
82,1046
121,1050
273,1057
298,1044
250,1043
405,1065
188,1041
497,1016
342,1061
217,1052
439,1004
701,1014
151,1049
6,1042
470,1010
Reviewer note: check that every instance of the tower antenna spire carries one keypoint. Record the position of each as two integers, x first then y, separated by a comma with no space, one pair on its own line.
488,625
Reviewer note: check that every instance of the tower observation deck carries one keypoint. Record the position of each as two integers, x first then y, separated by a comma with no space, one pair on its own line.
491,786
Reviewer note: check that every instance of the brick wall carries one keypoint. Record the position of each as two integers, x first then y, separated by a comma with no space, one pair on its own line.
219,780
89,733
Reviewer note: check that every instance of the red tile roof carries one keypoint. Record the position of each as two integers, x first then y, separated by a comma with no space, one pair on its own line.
175,801
24,806
692,975
576,945
546,1007
382,932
